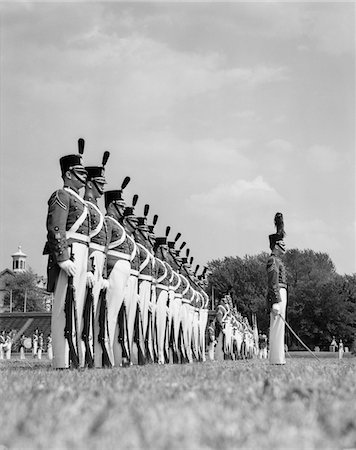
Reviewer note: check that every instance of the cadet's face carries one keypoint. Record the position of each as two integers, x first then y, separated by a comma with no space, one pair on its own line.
119,209
79,176
99,189
132,224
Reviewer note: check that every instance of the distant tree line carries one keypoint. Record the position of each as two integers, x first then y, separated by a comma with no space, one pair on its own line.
23,293
321,303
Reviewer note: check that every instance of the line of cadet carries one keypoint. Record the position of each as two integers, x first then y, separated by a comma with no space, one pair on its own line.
231,335
121,295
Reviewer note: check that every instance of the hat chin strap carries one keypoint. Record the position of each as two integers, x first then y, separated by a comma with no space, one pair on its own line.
77,176
121,217
98,188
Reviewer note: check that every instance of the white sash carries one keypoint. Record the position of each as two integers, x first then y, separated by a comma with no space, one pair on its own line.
134,249
147,258
95,231
114,244
82,217
161,278
187,288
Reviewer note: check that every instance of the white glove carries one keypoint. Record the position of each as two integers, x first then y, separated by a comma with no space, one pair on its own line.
68,266
90,279
275,309
104,284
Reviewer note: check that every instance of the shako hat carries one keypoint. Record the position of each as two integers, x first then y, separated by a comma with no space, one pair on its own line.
161,241
129,212
70,162
97,173
151,227
171,244
116,194
142,221
277,238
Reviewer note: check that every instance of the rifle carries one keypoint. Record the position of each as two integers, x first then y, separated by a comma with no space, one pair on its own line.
69,309
102,328
88,316
123,335
138,338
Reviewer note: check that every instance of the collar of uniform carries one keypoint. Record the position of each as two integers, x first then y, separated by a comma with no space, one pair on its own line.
71,191
116,222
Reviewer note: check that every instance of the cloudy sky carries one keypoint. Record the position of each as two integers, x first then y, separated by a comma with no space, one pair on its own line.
221,114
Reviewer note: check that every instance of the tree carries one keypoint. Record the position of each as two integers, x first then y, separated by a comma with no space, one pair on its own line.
321,303
23,286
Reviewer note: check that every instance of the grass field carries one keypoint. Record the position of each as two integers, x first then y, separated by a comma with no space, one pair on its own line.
306,404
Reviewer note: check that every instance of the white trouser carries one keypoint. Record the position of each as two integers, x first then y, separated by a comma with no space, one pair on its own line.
276,332
238,338
184,318
118,279
22,353
1,351
228,338
34,348
176,308
131,301
263,353
161,320
203,320
50,352
170,313
195,333
144,293
98,261
8,351
59,343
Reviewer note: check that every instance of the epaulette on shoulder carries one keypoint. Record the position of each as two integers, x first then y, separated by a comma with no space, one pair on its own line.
271,263
55,199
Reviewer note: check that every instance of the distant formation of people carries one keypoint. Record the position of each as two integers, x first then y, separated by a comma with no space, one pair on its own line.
36,343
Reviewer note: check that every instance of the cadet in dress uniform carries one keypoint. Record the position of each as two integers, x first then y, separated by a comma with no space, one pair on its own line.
203,315
131,293
163,278
94,189
22,347
277,293
40,345
145,278
67,246
49,347
35,343
175,302
2,343
150,339
185,313
118,268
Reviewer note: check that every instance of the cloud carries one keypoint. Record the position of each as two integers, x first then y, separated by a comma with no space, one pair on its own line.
313,233
280,146
323,159
239,193
332,27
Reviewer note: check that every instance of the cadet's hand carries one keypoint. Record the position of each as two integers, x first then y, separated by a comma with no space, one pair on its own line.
68,267
104,284
275,309
90,279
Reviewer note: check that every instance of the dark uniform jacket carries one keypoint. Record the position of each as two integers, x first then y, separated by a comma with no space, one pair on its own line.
277,279
98,229
67,222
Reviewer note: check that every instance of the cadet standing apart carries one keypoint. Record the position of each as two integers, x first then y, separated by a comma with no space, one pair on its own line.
277,293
